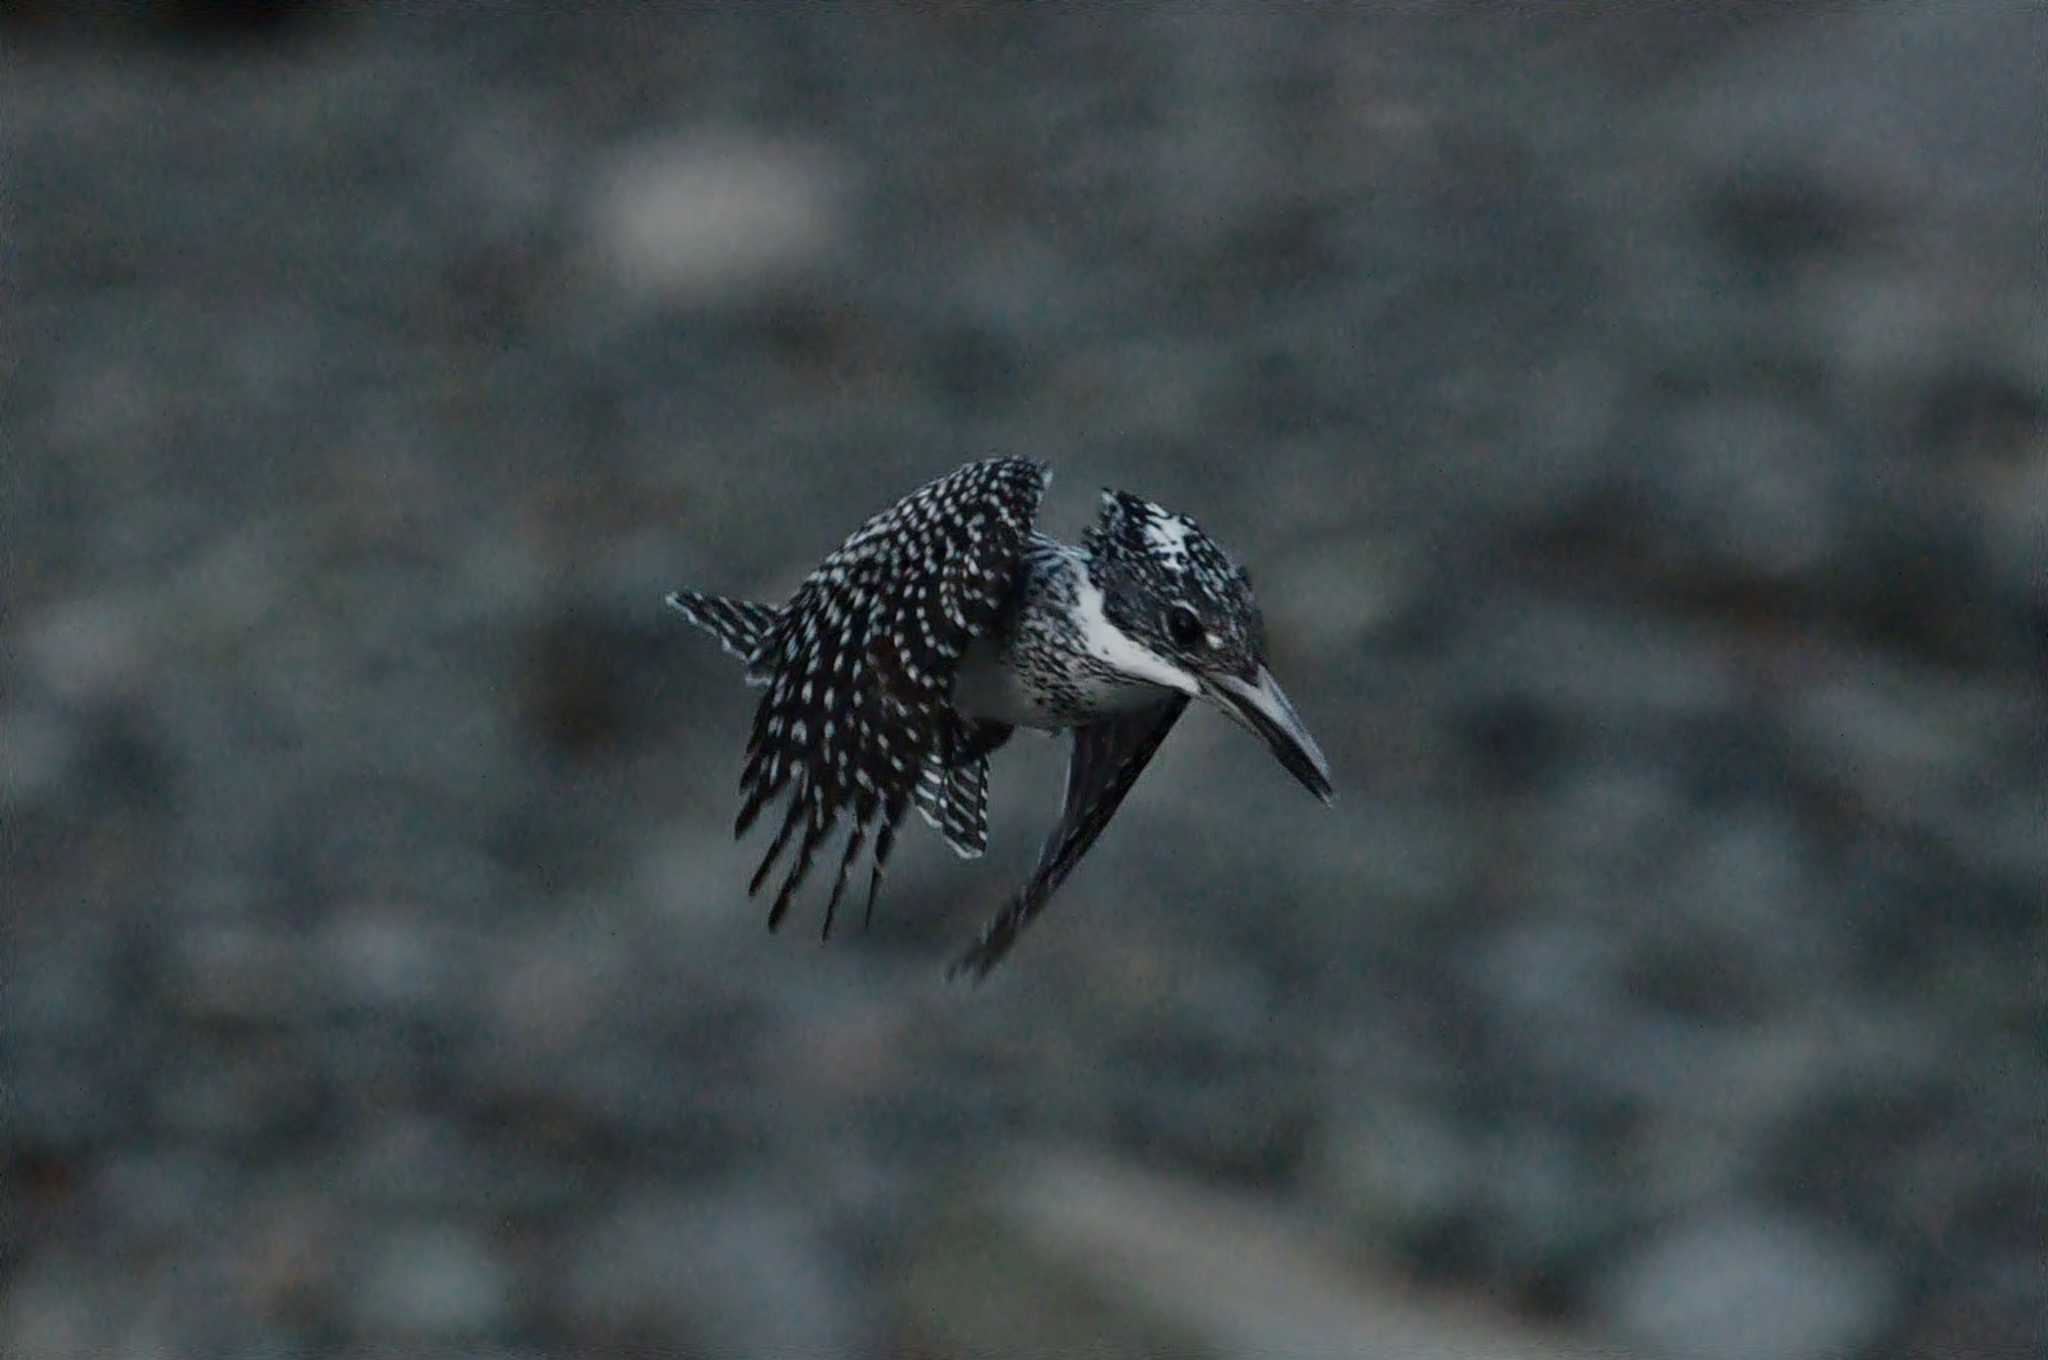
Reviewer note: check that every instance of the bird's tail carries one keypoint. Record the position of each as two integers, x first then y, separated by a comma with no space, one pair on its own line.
739,625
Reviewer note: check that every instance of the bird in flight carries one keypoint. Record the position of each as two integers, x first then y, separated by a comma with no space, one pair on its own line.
945,623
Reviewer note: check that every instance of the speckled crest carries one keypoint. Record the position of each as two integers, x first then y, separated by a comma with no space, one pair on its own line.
1151,560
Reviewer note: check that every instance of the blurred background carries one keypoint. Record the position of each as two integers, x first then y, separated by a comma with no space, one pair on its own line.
1636,420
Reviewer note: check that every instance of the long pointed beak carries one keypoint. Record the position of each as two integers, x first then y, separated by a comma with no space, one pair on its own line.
1262,706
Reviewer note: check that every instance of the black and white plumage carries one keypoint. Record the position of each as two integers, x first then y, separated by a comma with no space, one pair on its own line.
947,621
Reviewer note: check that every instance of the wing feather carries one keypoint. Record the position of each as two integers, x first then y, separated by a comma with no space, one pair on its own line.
1108,757
859,665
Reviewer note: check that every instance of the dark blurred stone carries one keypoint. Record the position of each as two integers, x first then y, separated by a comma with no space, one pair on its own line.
236,20
1845,1151
240,978
591,680
1747,490
1993,1308
167,1193
1603,669
1976,416
255,1093
1773,220
39,1183
1402,1178
42,750
207,23
811,336
1515,740
977,368
1182,1099
729,1272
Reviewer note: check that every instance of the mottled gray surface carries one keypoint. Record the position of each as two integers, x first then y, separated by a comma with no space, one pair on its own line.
1637,426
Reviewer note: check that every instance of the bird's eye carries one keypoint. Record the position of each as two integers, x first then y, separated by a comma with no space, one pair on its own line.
1182,626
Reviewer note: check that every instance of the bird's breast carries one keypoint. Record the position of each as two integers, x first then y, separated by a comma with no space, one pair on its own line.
1028,684
990,686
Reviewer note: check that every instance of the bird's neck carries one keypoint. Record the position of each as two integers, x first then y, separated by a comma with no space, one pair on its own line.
1073,606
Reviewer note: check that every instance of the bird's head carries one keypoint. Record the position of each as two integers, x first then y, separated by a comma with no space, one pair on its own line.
1188,614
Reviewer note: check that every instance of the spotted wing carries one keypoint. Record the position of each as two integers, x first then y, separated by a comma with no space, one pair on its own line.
859,665
952,789
1107,759
954,799
739,625
966,824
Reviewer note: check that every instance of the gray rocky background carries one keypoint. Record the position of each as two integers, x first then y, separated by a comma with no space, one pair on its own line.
1637,423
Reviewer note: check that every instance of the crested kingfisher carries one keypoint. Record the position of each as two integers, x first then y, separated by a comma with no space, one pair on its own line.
946,622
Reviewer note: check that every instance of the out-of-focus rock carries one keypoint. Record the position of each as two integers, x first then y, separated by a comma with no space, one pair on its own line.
36,750
714,217
54,1308
1748,1284
1750,488
1924,104
1396,1173
1918,750
1066,1256
89,646
432,1282
735,1272
384,959
240,975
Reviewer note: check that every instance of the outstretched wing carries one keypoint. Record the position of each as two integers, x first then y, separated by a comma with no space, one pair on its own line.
859,665
1108,757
